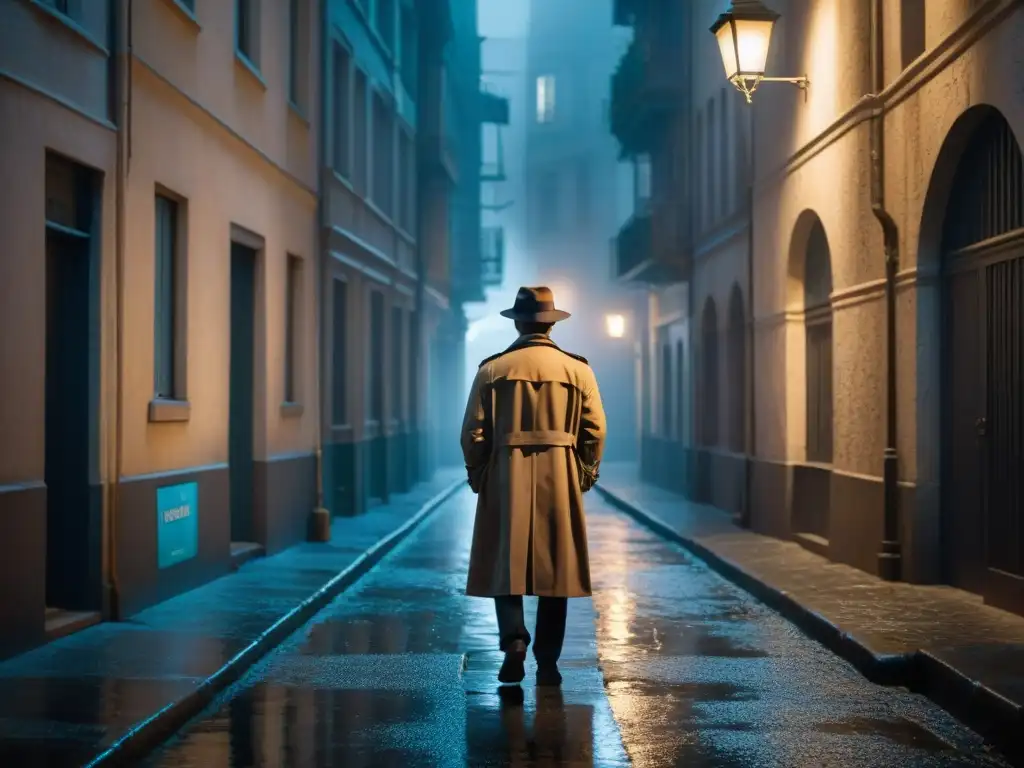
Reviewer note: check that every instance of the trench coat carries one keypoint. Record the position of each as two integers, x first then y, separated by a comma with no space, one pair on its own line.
532,438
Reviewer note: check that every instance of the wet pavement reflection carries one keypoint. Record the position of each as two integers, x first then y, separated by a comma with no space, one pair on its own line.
667,665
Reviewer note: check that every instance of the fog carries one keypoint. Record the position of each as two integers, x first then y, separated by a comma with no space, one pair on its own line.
564,194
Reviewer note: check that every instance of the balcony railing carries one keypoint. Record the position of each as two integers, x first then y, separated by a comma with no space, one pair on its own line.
646,87
651,248
492,256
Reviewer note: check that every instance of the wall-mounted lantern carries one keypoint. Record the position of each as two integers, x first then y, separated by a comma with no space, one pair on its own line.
744,33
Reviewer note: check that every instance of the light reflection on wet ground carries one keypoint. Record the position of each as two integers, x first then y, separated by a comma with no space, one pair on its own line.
668,665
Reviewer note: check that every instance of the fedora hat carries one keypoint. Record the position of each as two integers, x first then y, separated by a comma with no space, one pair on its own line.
535,305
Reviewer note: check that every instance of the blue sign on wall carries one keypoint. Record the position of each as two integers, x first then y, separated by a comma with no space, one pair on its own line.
177,523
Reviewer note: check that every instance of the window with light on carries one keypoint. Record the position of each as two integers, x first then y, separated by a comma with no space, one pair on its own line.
545,98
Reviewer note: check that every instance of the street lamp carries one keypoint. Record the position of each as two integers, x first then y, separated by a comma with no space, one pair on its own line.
744,33
615,325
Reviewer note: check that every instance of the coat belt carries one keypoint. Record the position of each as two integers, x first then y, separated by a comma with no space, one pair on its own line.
538,438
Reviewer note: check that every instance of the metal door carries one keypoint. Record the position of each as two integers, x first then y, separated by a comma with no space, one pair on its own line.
983,382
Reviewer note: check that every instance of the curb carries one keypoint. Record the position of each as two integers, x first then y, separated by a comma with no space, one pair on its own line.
148,734
990,714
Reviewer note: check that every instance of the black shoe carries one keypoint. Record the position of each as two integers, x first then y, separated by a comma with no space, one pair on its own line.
513,669
548,674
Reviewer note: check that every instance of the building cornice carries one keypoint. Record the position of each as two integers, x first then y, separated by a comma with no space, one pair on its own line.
920,72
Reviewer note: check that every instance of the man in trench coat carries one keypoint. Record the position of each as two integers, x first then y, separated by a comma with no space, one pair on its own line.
532,438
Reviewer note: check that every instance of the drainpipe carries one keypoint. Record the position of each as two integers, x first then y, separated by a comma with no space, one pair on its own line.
320,517
746,514
890,555
123,165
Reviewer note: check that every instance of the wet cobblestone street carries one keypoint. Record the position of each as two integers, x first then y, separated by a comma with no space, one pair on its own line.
667,665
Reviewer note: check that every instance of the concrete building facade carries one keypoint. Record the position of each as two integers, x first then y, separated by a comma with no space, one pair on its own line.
887,221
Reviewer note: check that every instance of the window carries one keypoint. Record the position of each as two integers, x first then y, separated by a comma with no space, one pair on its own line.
383,154
406,197
724,203
61,6
384,21
341,111
397,361
699,196
247,30
359,133
168,381
711,160
665,396
583,194
408,52
294,48
293,324
818,322
339,352
545,98
641,181
376,356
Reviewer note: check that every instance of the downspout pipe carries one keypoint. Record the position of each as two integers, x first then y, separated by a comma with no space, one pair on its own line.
123,164
747,513
890,558
320,517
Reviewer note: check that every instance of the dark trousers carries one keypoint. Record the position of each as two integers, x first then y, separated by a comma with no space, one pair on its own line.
551,612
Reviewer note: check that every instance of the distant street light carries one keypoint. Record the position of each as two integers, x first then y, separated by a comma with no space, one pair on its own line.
615,325
744,33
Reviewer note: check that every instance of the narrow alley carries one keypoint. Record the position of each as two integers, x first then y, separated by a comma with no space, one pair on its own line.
668,665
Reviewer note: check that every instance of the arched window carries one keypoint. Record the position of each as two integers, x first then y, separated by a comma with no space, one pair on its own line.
818,321
709,375
737,372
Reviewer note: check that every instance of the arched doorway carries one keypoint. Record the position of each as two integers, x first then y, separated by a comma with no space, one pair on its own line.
709,375
737,354
982,366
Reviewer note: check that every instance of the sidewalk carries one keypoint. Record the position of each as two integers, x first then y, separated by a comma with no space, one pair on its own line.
936,640
116,688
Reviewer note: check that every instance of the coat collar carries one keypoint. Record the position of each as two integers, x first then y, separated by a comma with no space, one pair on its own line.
532,340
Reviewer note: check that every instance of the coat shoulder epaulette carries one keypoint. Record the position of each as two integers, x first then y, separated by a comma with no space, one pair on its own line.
495,356
581,358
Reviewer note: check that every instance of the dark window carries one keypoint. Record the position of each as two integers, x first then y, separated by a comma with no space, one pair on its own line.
383,155
293,322
165,314
912,29
412,372
724,203
709,375
680,392
341,110
384,21
408,69
339,353
359,133
247,30
397,361
665,397
737,372
294,42
376,356
818,320
406,197
711,162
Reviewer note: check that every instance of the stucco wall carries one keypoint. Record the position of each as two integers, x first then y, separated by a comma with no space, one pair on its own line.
43,107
